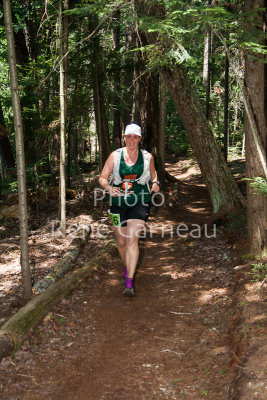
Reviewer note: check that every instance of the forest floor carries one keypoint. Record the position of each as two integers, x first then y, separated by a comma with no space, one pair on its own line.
194,330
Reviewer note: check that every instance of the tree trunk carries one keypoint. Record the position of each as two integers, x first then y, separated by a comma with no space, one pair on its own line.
149,111
148,108
226,108
69,155
31,25
256,132
18,327
63,40
207,71
25,267
117,85
162,129
101,122
99,103
224,193
129,71
236,123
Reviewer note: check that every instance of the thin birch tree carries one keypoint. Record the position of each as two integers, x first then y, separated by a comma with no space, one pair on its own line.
207,71
63,44
23,214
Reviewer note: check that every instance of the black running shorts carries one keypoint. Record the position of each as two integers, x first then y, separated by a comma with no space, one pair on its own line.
120,215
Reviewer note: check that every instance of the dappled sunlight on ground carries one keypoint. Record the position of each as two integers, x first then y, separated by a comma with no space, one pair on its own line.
253,293
112,282
209,295
184,169
112,272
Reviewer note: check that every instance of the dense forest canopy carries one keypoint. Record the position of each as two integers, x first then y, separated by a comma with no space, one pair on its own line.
185,26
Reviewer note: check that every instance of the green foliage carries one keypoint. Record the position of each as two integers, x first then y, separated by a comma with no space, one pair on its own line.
248,256
98,7
12,186
259,272
259,184
35,174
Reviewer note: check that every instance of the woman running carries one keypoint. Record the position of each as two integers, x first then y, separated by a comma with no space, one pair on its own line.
132,169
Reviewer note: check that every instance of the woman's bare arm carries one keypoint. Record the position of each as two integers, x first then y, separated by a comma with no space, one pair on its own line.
154,177
105,174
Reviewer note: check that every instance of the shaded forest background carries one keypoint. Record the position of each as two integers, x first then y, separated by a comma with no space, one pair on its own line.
86,69
111,65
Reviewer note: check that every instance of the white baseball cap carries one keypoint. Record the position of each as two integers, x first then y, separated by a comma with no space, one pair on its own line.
133,129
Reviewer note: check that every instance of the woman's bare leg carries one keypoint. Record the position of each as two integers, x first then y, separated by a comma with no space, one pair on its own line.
120,235
134,229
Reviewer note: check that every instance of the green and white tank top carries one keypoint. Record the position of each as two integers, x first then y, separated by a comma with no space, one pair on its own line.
133,192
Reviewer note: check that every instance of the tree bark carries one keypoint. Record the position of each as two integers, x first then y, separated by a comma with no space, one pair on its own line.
24,247
99,103
19,326
31,24
224,193
148,108
207,72
226,108
149,111
162,131
63,40
129,74
117,85
226,98
256,142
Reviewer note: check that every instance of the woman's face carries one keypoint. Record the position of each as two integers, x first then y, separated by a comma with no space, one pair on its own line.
132,141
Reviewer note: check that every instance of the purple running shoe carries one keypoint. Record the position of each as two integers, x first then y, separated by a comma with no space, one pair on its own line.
129,288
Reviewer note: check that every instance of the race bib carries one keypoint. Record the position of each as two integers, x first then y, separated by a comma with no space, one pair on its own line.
115,218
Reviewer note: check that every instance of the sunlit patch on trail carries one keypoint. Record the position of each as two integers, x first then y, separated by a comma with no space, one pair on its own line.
207,296
112,282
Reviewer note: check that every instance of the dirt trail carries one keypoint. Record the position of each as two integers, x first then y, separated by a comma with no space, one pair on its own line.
173,340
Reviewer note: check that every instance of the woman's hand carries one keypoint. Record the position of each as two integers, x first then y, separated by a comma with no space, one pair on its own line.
114,191
155,187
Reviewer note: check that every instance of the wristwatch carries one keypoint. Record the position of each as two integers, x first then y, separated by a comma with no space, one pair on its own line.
157,182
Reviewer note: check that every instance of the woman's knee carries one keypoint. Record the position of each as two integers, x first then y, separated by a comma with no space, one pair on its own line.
132,241
121,242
